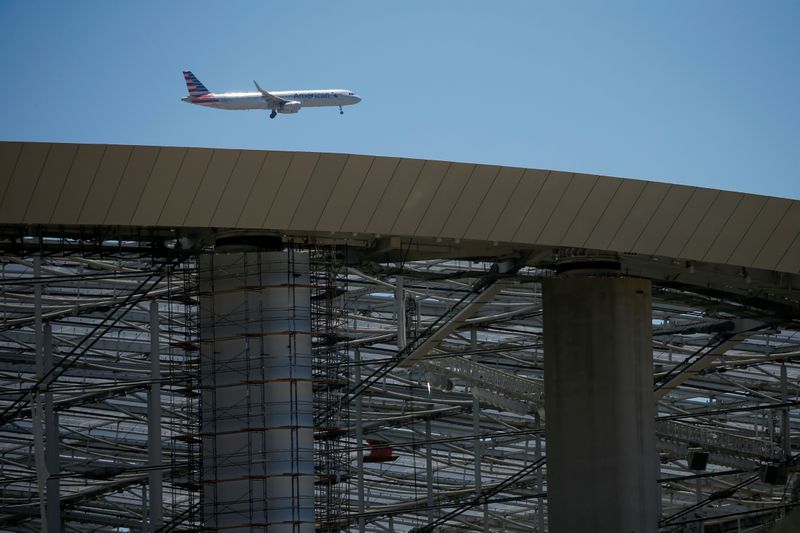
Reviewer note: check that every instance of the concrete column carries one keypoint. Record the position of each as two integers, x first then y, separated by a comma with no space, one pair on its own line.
257,401
601,455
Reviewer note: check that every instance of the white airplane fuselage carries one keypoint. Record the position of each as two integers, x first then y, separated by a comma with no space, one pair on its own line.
284,102
254,100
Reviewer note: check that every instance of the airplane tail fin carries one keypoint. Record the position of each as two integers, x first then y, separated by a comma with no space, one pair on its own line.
193,84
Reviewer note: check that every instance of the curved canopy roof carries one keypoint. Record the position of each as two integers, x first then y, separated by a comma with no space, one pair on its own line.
50,184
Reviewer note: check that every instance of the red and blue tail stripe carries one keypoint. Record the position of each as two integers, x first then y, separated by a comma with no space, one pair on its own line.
193,84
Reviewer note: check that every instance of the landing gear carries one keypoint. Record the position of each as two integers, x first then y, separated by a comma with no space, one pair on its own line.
340,110
273,114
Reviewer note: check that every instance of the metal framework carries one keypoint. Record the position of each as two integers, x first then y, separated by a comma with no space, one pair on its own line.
428,390
98,312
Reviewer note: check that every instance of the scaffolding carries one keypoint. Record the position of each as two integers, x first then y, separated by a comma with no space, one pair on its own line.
458,430
183,393
331,379
256,387
97,309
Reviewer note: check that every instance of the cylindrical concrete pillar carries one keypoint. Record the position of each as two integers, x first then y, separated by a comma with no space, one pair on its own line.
257,400
601,454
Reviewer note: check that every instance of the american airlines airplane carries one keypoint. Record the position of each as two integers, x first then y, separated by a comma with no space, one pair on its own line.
278,101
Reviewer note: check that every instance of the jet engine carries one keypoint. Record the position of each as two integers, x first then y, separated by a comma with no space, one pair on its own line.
290,107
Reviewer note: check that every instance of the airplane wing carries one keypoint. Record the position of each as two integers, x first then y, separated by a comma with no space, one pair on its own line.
271,99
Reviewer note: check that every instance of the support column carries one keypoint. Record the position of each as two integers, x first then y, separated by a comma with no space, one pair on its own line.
476,429
400,311
786,435
257,401
51,440
698,492
360,504
429,469
154,424
539,476
37,411
601,454
145,512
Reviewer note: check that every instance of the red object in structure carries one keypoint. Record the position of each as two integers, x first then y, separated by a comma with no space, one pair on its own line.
380,453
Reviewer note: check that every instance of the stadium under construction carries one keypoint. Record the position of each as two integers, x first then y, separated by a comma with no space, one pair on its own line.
230,340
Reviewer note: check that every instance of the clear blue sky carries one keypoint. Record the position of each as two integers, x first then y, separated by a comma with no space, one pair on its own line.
696,92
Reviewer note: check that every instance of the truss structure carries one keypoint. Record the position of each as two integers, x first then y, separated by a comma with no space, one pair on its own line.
428,389
97,312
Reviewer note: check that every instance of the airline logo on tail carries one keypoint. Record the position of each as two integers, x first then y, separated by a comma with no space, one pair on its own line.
193,84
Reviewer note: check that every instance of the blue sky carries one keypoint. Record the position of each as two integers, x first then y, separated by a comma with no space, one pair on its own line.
701,93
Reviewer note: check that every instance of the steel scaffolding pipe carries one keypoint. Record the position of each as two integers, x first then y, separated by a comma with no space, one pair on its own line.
257,410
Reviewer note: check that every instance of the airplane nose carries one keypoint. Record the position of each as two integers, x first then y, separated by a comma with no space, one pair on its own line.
356,99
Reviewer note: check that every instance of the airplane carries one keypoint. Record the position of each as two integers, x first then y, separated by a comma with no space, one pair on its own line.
277,102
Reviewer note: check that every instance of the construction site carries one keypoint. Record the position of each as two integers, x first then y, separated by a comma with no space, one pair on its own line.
293,342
